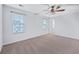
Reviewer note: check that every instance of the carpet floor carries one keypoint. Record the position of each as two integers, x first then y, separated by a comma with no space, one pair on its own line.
46,44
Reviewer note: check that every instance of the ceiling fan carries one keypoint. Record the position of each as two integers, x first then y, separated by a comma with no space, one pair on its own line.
52,9
55,8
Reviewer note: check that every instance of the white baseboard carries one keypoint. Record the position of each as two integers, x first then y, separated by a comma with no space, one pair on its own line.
25,38
72,37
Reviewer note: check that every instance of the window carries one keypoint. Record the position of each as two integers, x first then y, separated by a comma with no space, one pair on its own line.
44,23
17,22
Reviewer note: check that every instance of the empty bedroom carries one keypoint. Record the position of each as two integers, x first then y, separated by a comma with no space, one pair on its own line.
39,28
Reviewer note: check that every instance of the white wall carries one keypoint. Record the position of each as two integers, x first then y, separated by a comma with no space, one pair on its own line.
0,27
32,26
67,23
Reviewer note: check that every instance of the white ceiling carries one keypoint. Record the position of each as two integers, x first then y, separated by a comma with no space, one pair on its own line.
39,8
35,8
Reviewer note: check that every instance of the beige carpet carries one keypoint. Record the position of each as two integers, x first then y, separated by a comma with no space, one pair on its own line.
46,44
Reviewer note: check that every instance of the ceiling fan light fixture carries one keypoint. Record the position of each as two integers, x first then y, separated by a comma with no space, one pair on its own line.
20,5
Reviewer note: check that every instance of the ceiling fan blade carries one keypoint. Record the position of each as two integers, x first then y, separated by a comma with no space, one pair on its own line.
57,7
60,10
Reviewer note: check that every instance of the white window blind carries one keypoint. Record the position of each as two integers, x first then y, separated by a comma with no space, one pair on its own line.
17,22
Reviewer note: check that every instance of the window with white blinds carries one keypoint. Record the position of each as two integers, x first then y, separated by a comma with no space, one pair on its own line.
17,22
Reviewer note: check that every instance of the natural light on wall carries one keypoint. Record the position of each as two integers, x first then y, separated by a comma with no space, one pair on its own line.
53,23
